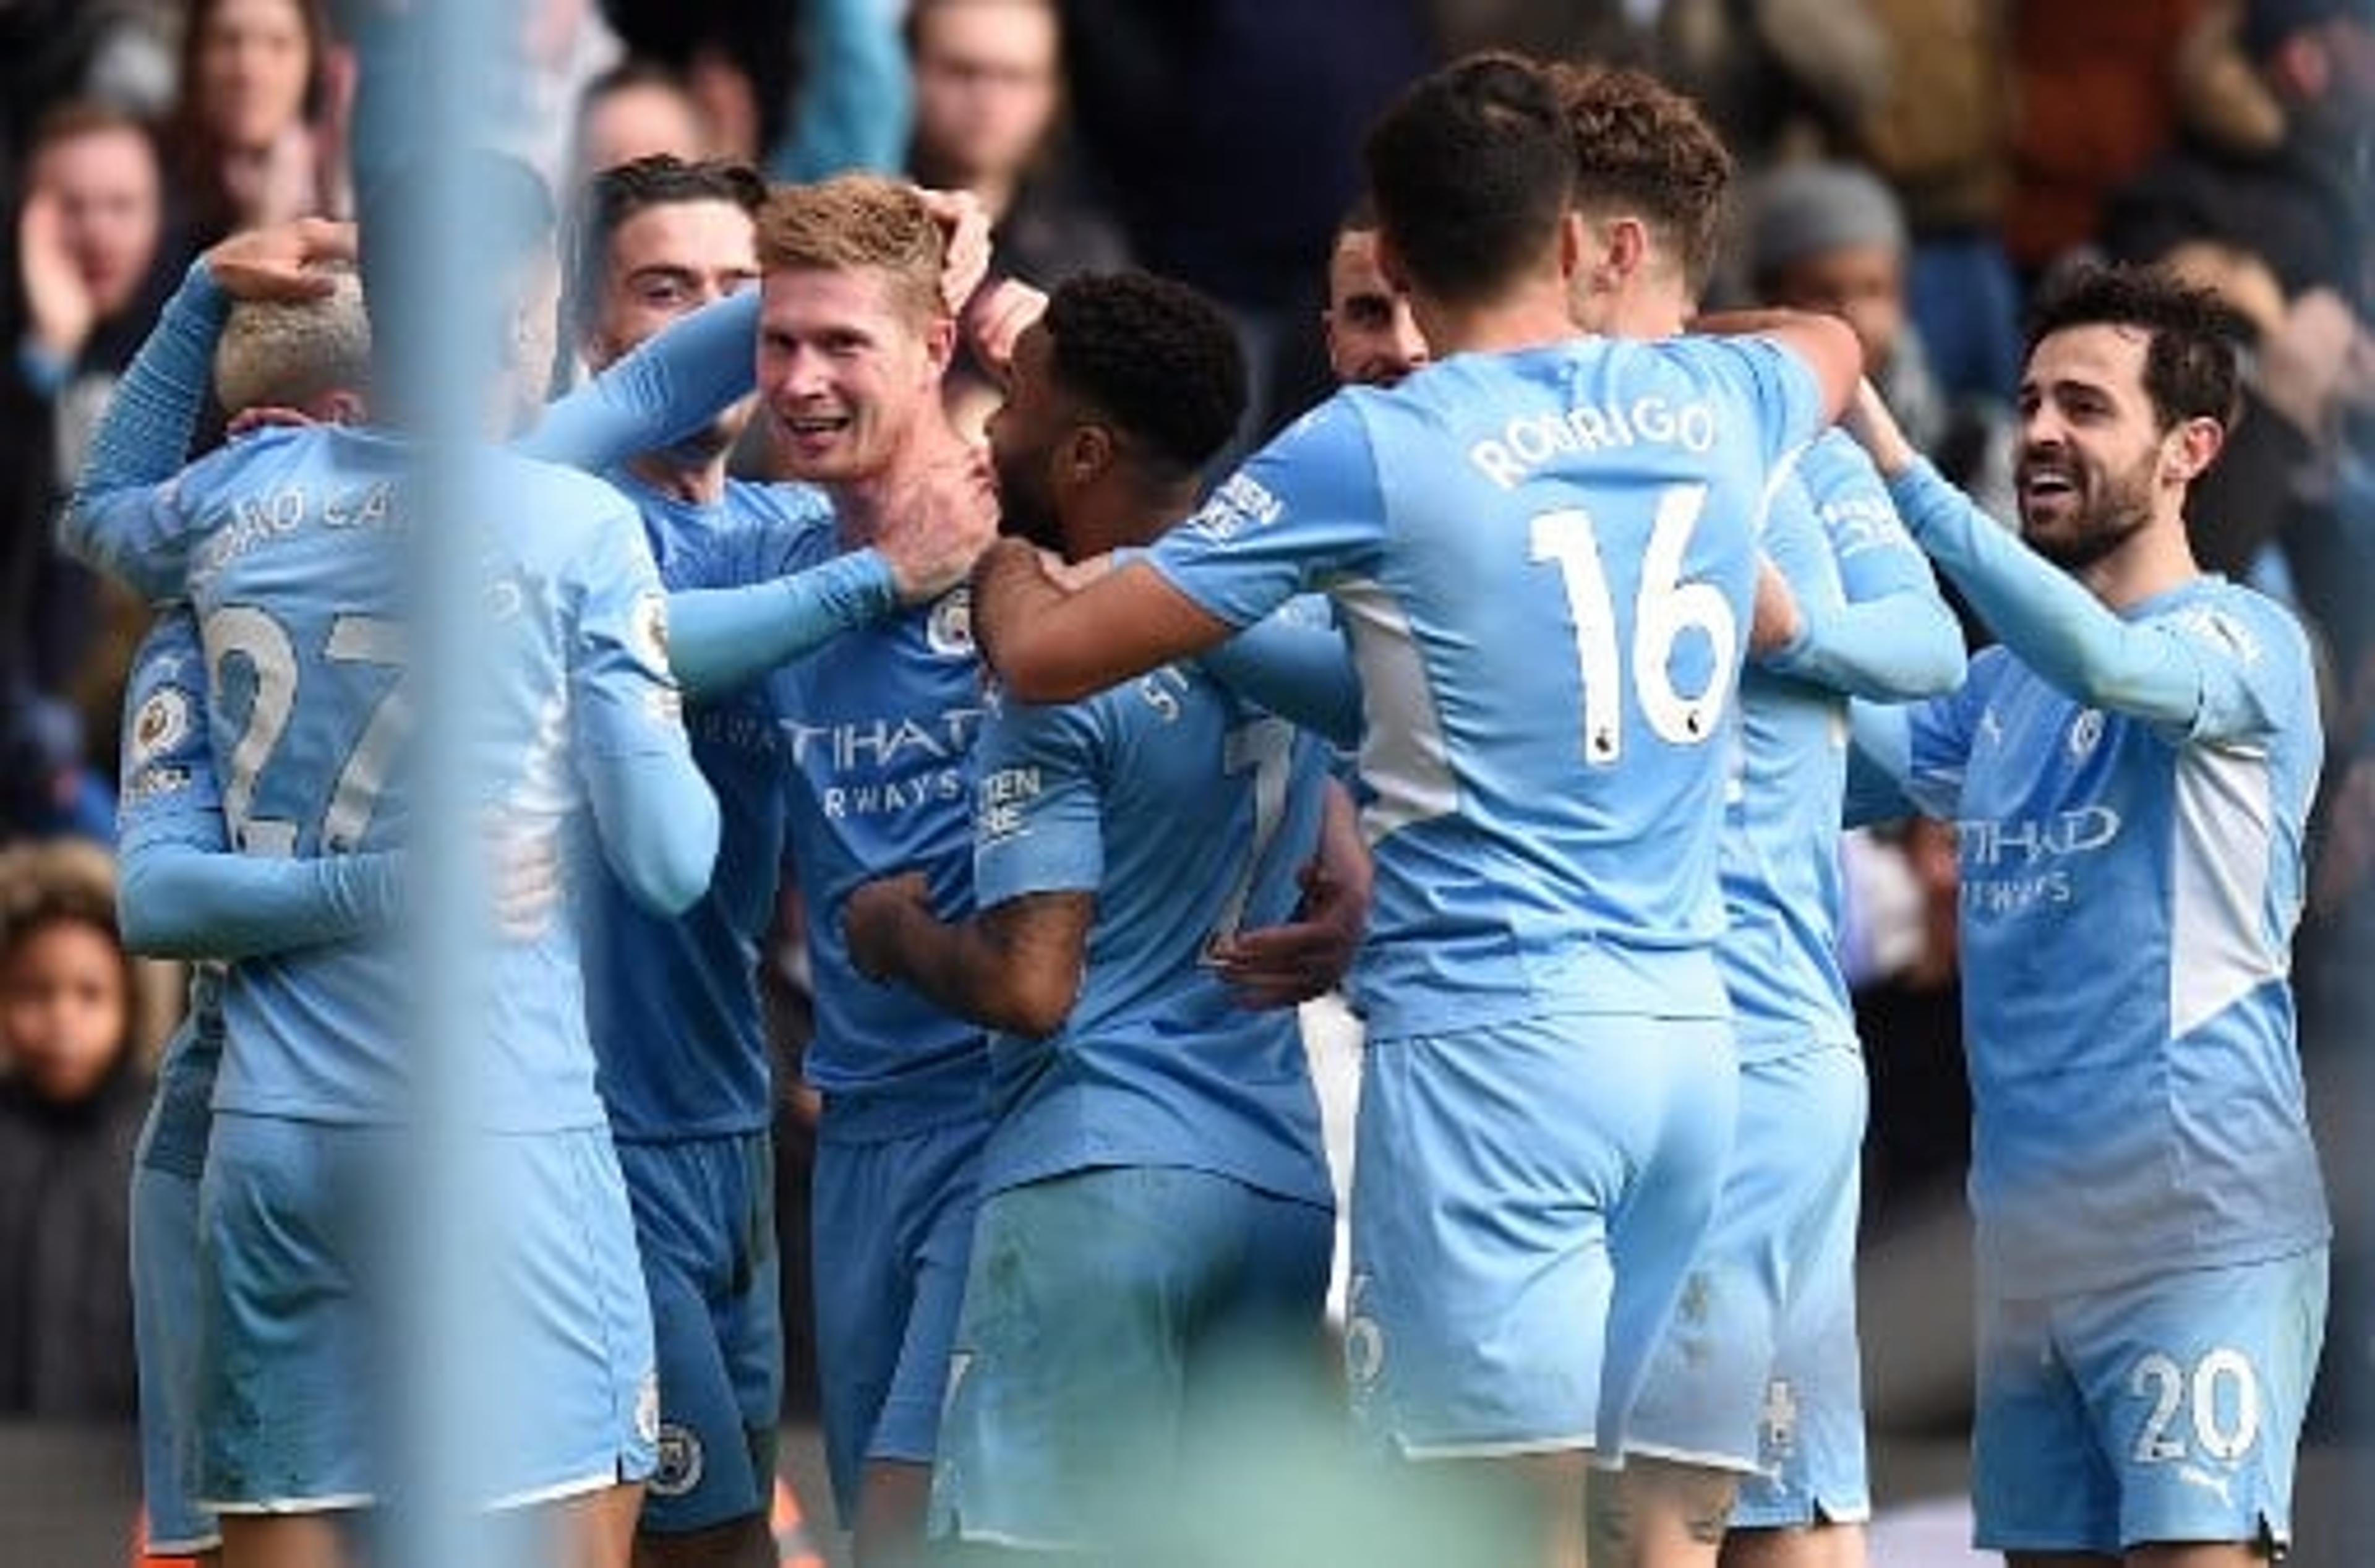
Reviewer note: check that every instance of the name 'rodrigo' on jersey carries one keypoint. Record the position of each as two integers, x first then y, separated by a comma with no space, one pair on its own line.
1544,560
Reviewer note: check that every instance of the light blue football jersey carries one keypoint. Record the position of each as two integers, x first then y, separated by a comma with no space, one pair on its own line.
1545,560
2129,894
1185,811
1835,536
292,546
167,796
878,734
674,1003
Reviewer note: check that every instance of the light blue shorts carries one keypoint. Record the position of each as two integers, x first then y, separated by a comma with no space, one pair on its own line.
165,1335
1107,1313
2166,1410
1526,1200
300,1297
705,1224
893,1224
1758,1370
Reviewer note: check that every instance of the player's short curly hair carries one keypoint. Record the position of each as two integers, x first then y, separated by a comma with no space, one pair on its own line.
858,221
2192,368
611,196
1644,149
1155,357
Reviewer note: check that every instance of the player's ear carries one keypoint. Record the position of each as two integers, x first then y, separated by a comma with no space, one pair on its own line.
940,342
342,407
2190,446
1086,453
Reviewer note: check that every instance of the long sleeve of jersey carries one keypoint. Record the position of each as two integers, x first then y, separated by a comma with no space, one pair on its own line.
720,638
665,390
1880,764
122,518
178,899
1299,668
1890,640
658,825
2149,669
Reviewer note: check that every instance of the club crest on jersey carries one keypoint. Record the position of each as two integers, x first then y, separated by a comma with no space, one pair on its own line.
163,723
647,630
680,1461
947,630
2085,732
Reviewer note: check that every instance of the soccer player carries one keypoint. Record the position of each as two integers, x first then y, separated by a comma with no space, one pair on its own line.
674,1003
287,546
184,893
1549,1034
2128,772
1157,1215
1372,341
853,335
1852,609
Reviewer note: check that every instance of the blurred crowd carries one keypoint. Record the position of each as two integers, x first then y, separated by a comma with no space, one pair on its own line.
1917,166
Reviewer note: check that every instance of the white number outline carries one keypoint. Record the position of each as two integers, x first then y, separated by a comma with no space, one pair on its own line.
1264,748
2160,1377
1665,607
249,633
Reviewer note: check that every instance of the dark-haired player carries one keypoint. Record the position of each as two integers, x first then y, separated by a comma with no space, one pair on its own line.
1156,1214
2129,773
1543,547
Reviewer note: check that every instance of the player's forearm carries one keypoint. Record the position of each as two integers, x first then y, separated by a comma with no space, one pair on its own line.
965,969
142,441
668,389
720,638
2043,614
658,825
1880,764
1302,673
1051,644
176,901
1891,649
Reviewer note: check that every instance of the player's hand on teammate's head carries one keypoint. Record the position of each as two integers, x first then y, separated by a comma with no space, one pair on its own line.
871,917
286,260
965,233
997,319
939,526
1774,623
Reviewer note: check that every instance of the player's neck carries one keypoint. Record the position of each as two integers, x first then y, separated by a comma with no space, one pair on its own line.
1533,312
861,507
2157,559
1122,513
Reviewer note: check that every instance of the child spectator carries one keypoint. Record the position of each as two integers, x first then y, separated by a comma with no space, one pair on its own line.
72,1093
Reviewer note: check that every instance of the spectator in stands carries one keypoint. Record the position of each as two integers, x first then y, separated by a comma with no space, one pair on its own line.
989,77
90,233
72,1093
634,110
1830,237
256,138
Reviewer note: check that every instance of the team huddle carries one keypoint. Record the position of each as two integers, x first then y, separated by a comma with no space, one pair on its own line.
1523,688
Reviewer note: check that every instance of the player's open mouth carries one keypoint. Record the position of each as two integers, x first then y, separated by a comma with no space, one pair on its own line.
2047,485
818,425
